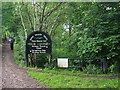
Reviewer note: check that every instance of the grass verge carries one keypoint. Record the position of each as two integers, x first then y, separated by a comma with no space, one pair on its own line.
63,81
67,72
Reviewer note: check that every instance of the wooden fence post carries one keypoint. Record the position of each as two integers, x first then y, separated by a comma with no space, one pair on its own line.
104,65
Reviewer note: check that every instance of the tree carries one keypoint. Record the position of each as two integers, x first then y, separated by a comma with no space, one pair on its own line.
40,16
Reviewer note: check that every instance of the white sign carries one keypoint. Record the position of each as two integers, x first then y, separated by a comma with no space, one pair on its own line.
62,62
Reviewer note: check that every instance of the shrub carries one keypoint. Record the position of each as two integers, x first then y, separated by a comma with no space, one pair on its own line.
114,68
43,60
91,69
19,54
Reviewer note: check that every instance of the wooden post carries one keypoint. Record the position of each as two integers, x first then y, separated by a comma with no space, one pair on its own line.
104,65
26,54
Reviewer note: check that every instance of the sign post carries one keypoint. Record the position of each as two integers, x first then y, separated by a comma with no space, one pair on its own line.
38,42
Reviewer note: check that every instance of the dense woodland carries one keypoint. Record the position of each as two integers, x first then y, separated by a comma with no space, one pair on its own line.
77,30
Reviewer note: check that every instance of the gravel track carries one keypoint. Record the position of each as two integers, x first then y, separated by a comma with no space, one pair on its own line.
12,75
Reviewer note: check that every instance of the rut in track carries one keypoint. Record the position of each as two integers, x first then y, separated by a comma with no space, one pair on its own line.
12,75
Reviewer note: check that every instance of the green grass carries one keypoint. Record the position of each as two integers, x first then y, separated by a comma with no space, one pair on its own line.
63,81
67,72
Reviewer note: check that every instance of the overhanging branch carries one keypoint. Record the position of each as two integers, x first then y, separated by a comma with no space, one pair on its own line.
50,12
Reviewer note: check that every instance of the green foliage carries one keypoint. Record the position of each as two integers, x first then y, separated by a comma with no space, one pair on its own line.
61,53
97,30
88,48
114,68
19,51
42,60
112,45
92,69
19,55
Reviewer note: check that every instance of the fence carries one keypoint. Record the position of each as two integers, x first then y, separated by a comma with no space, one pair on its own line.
65,63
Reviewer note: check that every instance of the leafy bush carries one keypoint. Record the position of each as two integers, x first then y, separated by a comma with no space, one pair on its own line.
19,54
92,69
97,47
19,49
88,48
114,68
41,60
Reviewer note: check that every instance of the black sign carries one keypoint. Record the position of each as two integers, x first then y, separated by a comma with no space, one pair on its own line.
38,42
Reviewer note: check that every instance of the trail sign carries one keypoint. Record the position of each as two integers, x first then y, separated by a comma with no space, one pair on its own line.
38,42
62,62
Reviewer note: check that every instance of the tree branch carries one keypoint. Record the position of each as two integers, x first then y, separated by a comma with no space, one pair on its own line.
29,19
54,24
50,12
22,22
34,9
42,16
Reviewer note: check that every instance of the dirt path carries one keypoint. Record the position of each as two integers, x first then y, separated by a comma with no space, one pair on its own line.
12,75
